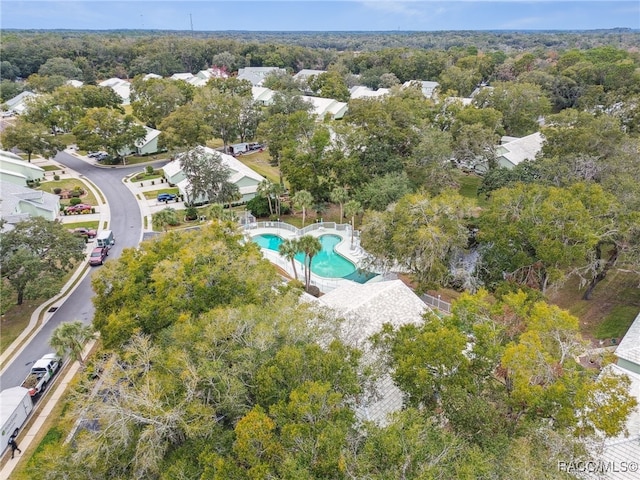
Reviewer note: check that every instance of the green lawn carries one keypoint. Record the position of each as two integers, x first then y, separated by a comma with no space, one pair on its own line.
259,162
469,185
154,193
146,176
69,184
616,324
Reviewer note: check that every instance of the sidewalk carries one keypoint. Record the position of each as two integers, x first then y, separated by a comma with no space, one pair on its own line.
45,408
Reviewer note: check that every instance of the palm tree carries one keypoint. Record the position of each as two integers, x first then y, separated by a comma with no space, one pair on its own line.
340,195
288,249
71,337
264,190
310,246
303,199
352,208
164,218
277,190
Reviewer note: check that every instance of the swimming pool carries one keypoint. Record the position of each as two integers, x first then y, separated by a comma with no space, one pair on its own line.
327,263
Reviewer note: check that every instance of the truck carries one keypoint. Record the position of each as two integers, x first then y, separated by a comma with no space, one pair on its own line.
105,239
41,373
15,408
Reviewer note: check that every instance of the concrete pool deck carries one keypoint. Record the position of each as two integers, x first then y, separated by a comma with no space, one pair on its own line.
353,253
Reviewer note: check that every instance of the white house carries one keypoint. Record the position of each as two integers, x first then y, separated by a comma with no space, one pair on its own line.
242,176
262,95
19,103
305,73
428,88
14,169
147,146
185,77
256,75
624,448
74,83
150,76
19,203
120,86
214,72
515,151
360,91
365,308
327,106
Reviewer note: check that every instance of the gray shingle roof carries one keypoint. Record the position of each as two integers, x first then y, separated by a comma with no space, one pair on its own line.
629,347
366,308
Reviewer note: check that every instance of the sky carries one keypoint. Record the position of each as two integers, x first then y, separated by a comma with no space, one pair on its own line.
320,15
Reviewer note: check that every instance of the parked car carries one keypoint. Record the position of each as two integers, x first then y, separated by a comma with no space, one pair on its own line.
79,208
84,232
98,255
166,197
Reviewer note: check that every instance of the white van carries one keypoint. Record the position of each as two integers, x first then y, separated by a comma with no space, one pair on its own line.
105,239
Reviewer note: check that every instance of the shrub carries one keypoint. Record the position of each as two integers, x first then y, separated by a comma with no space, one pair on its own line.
75,201
149,169
76,194
259,207
191,213
56,177
57,190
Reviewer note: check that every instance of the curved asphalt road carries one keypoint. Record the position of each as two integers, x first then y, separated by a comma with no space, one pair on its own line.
126,223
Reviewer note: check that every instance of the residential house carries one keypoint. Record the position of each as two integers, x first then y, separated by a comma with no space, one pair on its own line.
365,308
624,448
262,95
185,77
304,74
74,83
17,171
323,107
147,146
213,72
120,86
150,76
512,152
20,203
428,88
19,103
360,91
256,75
242,176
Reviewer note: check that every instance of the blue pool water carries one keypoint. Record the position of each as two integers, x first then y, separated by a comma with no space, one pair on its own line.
327,263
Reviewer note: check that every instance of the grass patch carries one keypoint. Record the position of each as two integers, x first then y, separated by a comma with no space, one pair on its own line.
16,319
615,302
146,176
616,324
469,185
259,162
93,224
154,193
50,168
135,159
69,184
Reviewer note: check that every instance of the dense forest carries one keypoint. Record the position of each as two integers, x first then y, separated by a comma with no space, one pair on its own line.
212,368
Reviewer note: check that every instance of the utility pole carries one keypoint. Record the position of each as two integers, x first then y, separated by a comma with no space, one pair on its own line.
191,22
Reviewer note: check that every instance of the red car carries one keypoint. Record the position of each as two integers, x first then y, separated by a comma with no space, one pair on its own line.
98,255
79,208
84,232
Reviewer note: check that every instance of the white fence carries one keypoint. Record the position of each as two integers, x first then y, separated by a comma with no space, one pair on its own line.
436,302
341,227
